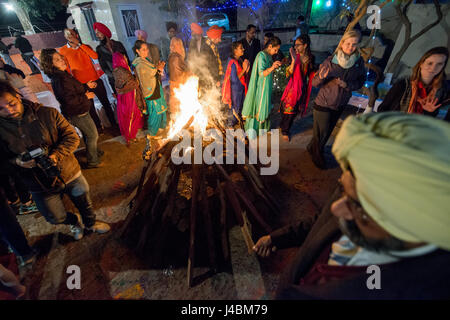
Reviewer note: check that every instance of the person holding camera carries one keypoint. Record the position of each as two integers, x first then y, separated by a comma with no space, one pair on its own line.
40,143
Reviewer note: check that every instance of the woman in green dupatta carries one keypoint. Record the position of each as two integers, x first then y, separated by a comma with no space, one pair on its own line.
258,101
152,91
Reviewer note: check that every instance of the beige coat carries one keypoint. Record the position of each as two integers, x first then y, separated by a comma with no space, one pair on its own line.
147,75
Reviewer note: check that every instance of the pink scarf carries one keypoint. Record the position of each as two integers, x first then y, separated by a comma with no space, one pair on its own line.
293,91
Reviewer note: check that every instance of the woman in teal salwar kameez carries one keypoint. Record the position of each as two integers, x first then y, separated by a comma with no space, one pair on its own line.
258,101
148,75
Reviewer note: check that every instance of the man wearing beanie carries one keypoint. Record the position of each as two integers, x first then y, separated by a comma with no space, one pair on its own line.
106,49
210,53
391,213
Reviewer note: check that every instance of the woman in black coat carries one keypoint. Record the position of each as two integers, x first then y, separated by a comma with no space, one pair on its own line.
426,91
75,100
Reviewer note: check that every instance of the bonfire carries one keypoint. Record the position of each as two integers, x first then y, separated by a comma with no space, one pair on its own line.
172,195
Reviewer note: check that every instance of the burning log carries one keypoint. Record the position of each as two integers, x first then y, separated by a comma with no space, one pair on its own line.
155,214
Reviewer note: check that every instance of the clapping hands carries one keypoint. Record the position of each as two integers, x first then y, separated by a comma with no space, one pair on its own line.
246,65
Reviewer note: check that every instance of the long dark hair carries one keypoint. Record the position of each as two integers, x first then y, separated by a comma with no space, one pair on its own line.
439,79
138,45
274,41
47,61
305,39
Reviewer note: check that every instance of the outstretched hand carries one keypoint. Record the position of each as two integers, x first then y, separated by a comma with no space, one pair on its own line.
429,103
264,246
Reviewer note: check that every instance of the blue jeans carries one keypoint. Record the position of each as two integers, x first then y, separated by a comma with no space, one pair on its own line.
52,208
87,127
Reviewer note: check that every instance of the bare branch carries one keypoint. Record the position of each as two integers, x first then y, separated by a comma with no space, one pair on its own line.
437,6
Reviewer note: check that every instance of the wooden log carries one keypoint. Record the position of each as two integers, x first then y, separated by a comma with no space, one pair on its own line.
256,188
241,194
247,233
254,174
232,197
163,230
223,222
196,174
208,227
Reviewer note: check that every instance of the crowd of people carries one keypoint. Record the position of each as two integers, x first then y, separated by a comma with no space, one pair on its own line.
38,143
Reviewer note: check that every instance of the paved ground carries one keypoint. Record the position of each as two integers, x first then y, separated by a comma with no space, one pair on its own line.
110,269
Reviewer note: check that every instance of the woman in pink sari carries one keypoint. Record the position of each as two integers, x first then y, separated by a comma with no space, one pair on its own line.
295,97
130,102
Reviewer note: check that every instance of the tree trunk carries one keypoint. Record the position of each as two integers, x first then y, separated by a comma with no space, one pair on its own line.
308,12
403,14
23,17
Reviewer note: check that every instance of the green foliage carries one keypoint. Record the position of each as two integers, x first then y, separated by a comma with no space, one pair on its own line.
41,8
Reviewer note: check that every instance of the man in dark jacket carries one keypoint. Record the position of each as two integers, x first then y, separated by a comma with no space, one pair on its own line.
31,131
393,220
106,49
251,46
209,65
26,51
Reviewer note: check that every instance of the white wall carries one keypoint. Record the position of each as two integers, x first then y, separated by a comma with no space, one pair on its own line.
106,11
153,20
102,13
421,15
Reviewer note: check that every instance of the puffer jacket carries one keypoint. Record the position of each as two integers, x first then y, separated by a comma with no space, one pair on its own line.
39,126
331,95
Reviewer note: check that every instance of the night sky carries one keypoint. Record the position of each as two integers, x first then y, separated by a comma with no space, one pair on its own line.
9,18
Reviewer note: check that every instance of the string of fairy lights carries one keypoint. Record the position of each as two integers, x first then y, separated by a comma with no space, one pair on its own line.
255,5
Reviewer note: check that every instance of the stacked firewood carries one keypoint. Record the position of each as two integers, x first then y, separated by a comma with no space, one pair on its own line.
200,201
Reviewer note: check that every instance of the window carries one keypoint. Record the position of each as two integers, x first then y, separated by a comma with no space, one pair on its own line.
89,16
130,20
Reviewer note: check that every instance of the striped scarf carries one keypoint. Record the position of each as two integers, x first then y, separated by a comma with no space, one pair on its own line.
216,53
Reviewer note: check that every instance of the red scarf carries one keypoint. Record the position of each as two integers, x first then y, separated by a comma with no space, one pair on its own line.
293,91
226,87
418,91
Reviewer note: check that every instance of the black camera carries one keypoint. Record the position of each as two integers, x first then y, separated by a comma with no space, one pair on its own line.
40,156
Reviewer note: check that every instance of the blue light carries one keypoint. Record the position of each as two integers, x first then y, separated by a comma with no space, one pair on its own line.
328,3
